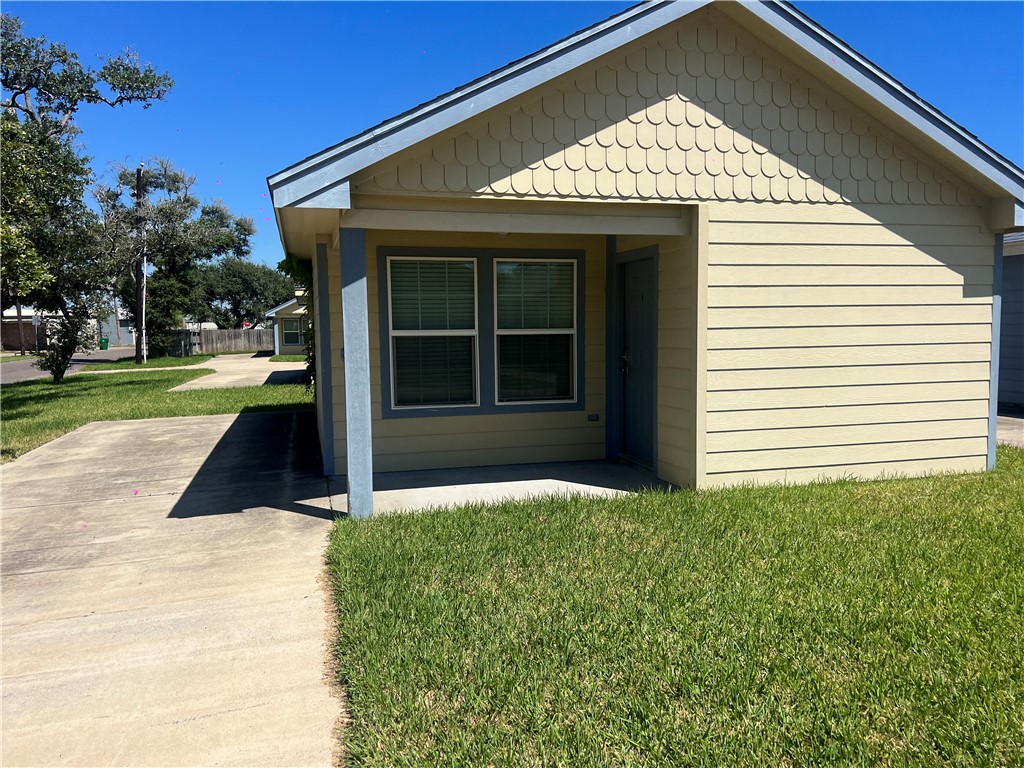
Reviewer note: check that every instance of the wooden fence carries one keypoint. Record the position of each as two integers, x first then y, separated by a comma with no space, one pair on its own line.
252,340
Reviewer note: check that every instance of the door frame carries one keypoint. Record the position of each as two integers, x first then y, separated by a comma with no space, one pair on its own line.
614,389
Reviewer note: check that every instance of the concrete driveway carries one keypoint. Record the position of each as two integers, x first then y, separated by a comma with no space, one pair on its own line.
245,371
162,596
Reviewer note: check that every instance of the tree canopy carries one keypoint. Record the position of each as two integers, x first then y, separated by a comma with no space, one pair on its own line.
45,84
236,290
52,257
177,233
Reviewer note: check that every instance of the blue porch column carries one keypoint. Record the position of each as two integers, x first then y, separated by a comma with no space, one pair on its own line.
356,352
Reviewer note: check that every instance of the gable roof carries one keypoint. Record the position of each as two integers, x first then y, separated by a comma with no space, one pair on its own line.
279,307
322,180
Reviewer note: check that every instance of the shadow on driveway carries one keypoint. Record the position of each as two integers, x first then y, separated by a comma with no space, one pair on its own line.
262,460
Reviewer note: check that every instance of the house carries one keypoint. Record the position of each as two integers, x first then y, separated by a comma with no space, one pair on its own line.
117,328
33,328
291,327
707,237
1011,358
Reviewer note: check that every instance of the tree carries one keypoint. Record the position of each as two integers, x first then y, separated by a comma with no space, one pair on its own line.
28,179
45,83
176,233
50,238
236,290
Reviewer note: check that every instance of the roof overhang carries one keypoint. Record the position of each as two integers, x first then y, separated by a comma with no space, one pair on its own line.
322,180
279,307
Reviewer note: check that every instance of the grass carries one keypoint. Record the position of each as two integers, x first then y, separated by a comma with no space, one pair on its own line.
288,359
12,358
831,624
35,412
128,363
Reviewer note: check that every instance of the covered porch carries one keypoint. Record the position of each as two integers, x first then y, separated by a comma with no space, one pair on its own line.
474,334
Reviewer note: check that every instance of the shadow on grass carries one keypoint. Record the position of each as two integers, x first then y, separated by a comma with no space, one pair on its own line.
286,377
266,459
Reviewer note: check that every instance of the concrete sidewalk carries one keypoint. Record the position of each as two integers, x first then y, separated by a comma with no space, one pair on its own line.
163,601
245,371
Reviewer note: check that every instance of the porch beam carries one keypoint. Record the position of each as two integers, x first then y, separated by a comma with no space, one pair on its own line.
598,223
356,354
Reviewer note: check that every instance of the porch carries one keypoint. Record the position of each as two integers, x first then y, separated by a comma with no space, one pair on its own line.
486,335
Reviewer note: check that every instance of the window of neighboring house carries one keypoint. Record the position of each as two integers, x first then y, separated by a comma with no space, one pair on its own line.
535,329
293,331
433,331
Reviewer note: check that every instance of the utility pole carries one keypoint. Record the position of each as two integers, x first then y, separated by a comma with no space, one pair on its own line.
140,277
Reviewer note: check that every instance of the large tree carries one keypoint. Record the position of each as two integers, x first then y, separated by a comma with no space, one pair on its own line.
236,290
177,235
48,234
45,84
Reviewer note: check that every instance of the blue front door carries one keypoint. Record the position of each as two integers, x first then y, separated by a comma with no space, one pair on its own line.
638,363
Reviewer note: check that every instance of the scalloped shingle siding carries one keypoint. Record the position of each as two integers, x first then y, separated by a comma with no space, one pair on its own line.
695,113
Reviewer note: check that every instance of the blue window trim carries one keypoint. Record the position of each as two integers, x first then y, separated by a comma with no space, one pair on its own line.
485,331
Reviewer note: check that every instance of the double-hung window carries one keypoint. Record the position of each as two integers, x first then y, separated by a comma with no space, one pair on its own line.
480,331
535,329
293,331
433,331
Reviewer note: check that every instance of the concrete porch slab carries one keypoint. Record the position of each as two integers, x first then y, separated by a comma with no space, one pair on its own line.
1010,430
427,489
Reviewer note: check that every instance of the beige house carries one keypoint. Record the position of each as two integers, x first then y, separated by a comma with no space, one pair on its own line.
291,327
706,237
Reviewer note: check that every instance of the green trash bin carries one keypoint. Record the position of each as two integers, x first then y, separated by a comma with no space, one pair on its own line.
104,342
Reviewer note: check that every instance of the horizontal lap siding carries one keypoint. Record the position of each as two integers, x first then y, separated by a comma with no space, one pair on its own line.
485,439
676,374
846,341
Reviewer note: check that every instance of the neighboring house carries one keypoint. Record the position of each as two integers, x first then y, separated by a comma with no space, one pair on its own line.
1011,359
709,238
34,332
291,327
119,331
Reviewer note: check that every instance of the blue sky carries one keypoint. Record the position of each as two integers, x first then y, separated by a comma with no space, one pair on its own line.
260,86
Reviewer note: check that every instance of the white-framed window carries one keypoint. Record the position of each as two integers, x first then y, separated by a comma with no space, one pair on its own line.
432,307
293,331
535,330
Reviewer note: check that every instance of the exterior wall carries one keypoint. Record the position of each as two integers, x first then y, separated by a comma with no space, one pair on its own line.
830,316
1011,348
478,440
678,370
846,341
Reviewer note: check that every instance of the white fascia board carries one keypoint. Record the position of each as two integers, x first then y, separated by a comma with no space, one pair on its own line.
305,180
889,92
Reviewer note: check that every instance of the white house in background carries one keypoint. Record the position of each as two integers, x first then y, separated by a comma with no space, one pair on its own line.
291,326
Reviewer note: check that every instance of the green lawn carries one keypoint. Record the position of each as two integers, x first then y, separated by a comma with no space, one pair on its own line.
288,359
128,363
35,412
832,624
12,358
